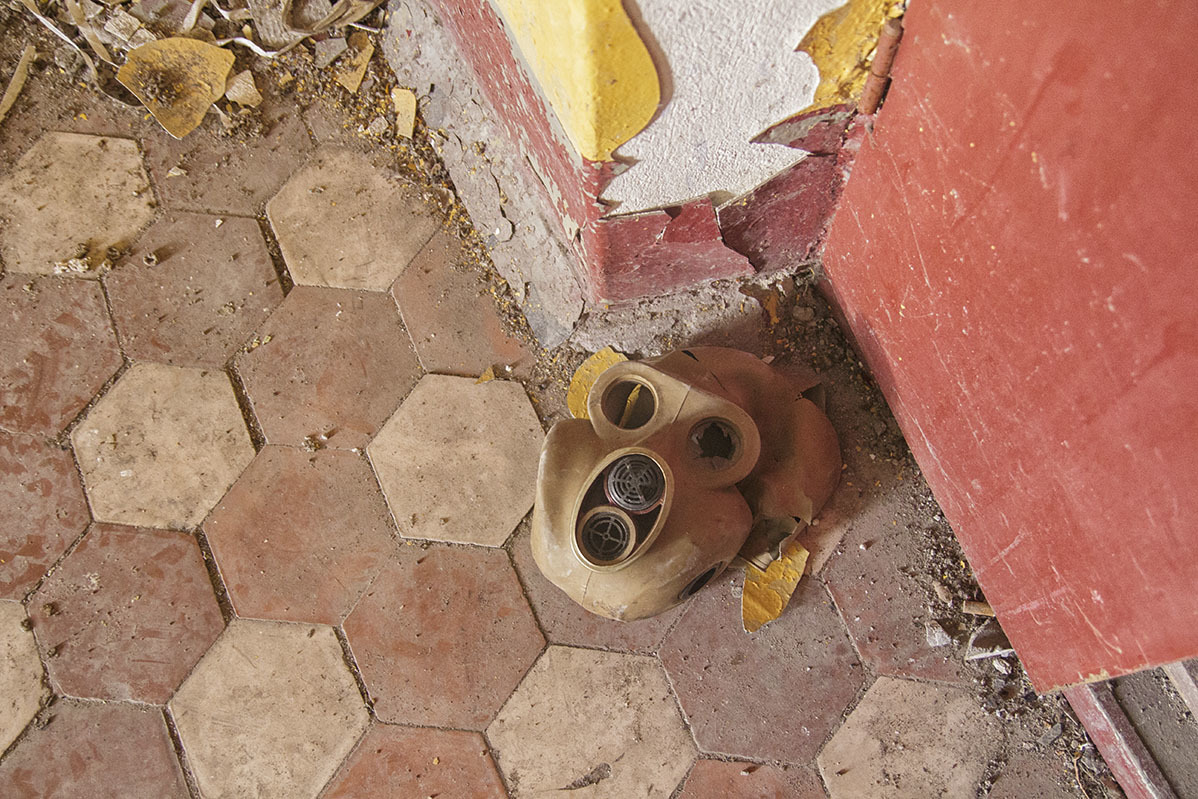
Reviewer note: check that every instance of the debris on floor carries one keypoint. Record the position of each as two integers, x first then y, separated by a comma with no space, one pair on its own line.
767,593
17,81
177,79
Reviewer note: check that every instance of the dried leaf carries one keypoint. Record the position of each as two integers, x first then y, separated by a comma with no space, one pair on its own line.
177,79
405,111
353,68
241,90
17,82
767,593
585,376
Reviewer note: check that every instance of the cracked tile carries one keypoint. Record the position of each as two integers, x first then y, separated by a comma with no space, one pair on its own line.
775,694
443,636
191,292
590,717
875,580
451,314
271,711
21,688
42,510
343,222
162,446
911,739
567,622
458,460
72,194
418,762
300,534
57,349
738,780
99,750
127,614
330,362
237,179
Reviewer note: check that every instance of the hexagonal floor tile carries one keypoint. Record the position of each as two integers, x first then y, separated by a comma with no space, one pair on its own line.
193,289
212,176
101,751
343,222
69,193
332,363
271,711
583,717
127,614
21,689
57,349
443,636
300,534
874,578
567,622
451,314
162,447
911,739
736,780
458,460
775,694
418,762
42,510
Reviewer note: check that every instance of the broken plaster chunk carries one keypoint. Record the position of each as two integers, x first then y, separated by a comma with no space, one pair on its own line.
988,641
936,635
177,79
122,24
377,127
242,90
329,50
404,101
353,68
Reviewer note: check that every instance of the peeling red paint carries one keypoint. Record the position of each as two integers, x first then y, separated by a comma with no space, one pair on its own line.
658,252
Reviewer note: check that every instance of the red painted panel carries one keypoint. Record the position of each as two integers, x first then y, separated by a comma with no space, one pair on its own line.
1015,254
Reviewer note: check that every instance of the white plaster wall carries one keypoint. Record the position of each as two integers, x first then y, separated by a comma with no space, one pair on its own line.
734,72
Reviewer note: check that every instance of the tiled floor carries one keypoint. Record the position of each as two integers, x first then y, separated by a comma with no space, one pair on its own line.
263,534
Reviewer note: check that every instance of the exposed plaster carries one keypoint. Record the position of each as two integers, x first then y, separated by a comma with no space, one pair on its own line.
734,72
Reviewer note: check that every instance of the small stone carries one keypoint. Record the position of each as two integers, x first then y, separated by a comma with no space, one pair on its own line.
378,126
936,635
328,51
803,314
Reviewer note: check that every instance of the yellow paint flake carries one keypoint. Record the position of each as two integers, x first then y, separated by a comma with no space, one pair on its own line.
592,66
487,376
841,43
767,593
585,376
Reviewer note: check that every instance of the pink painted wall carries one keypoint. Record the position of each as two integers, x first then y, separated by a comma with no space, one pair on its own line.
1015,254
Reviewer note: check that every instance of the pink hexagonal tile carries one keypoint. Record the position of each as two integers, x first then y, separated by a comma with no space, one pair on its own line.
193,289
739,780
101,751
567,622
42,510
443,636
774,694
879,580
216,172
127,614
331,363
452,315
418,762
57,349
300,534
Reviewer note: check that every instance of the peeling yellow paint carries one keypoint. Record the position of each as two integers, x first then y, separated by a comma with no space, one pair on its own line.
767,593
585,376
841,43
592,65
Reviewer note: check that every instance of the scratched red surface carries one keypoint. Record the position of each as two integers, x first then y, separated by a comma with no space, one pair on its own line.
1015,254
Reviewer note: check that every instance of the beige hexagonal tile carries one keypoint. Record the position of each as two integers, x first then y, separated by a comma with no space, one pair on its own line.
270,711
601,721
911,739
71,193
21,687
343,222
162,447
458,460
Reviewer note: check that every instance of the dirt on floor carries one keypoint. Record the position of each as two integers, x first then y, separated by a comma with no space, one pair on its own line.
783,319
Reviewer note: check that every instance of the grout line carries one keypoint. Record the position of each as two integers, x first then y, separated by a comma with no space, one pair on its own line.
276,253
246,406
351,663
223,600
193,787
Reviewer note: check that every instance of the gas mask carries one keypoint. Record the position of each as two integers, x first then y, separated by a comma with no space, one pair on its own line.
685,461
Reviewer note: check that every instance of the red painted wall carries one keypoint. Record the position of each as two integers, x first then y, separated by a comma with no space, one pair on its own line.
1015,254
